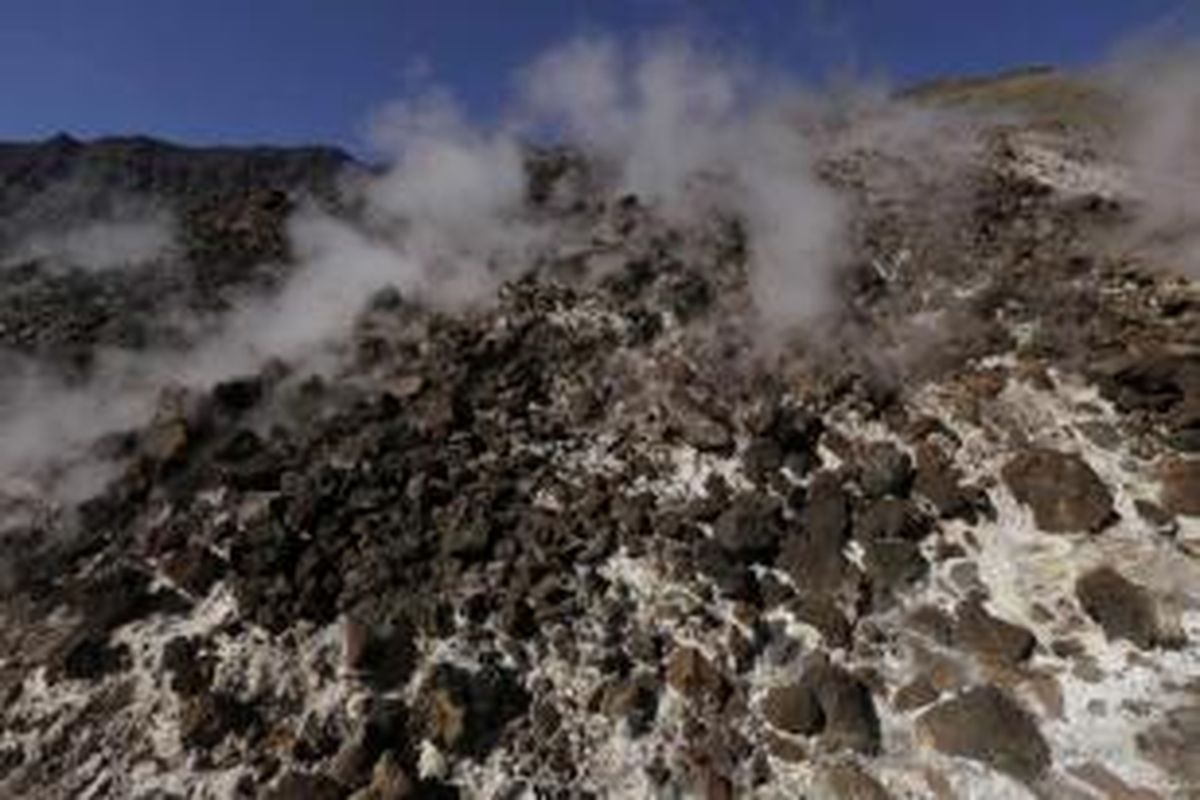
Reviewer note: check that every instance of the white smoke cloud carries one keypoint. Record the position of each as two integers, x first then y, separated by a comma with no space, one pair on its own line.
102,244
692,135
1161,139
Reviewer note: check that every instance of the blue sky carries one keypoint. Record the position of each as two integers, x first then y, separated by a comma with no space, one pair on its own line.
292,71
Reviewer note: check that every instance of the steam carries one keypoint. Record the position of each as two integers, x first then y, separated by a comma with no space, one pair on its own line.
103,244
692,136
695,137
1162,144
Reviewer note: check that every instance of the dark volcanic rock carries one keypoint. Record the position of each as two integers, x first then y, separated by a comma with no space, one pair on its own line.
304,786
1181,486
851,722
634,702
985,724
694,677
208,718
939,482
892,565
1173,743
823,613
891,518
467,712
750,528
1149,381
92,658
849,781
1063,491
813,554
989,637
191,670
385,655
885,470
1122,608
794,708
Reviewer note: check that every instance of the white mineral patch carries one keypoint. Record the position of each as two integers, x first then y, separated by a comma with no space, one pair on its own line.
1021,565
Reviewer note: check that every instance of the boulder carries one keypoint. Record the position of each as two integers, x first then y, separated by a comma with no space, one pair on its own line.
466,712
1180,479
991,638
851,722
1122,608
885,470
794,708
813,555
940,482
1063,491
1173,743
984,724
694,677
304,786
849,781
749,528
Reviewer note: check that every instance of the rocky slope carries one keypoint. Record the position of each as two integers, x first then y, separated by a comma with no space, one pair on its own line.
594,539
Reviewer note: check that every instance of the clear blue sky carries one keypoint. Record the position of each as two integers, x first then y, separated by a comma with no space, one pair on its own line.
292,71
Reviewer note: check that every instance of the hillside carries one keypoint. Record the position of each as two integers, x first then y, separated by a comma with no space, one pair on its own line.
609,529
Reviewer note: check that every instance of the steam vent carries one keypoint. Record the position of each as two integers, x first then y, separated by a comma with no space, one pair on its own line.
736,444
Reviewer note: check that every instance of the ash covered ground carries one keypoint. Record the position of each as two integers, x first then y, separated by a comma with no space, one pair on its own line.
820,448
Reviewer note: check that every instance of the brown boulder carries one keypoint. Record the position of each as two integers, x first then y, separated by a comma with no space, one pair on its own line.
984,724
1122,608
851,722
1181,486
1064,492
1173,743
991,638
849,781
691,674
813,554
303,786
794,708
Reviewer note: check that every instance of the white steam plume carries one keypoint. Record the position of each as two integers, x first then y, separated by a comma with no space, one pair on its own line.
1160,92
692,134
447,221
103,244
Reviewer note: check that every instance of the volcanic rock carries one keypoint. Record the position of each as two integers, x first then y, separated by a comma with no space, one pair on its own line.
305,786
989,637
1122,608
1173,743
885,470
849,781
986,725
1062,489
635,702
812,554
749,529
851,722
467,712
694,677
1181,486
794,708
940,482
208,718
